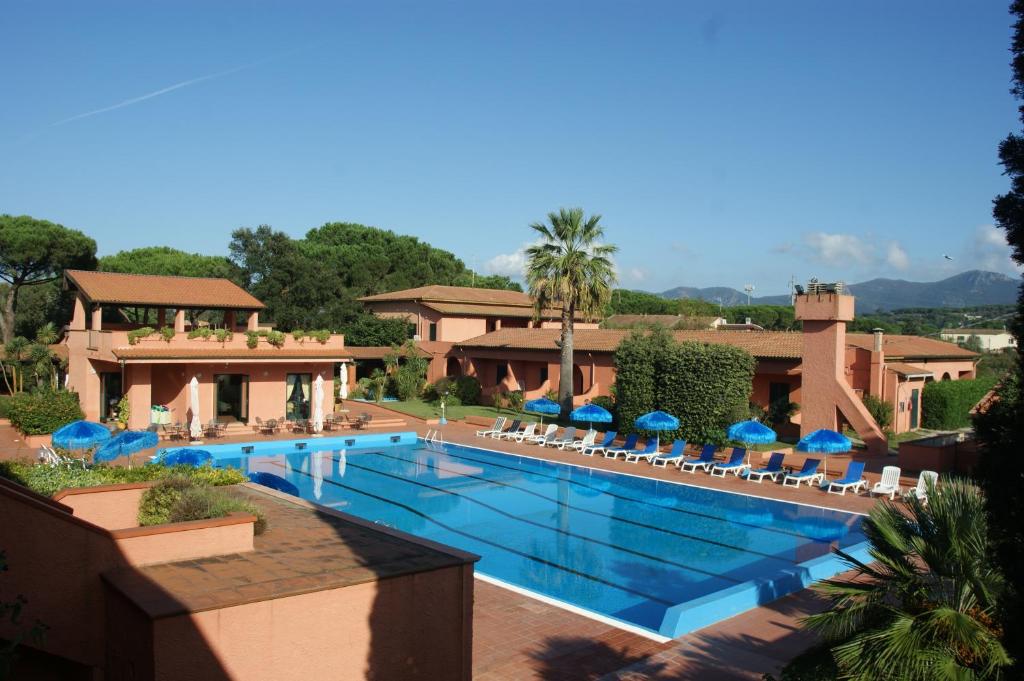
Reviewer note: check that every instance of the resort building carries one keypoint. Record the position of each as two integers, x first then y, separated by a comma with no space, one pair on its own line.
441,316
990,340
241,375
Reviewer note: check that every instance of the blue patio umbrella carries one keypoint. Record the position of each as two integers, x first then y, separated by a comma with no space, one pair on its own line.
656,421
274,482
80,435
127,442
824,441
183,456
751,433
543,406
591,413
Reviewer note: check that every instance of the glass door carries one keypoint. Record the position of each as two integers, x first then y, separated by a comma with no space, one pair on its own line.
111,392
296,396
232,397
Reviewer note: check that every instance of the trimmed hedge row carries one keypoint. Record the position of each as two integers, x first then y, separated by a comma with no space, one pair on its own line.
43,411
706,386
48,480
946,405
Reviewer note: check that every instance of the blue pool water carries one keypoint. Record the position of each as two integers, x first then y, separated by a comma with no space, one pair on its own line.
664,557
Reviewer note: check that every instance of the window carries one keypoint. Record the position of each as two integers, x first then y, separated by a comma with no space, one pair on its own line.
543,374
501,371
432,331
778,392
296,396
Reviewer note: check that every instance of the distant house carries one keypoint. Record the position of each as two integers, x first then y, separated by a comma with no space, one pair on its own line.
990,339
109,359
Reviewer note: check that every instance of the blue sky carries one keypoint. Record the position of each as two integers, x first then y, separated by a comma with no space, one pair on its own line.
724,143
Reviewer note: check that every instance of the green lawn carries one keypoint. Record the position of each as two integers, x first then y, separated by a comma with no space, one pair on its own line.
426,410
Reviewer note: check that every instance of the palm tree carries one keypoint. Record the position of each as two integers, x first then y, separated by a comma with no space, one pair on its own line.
924,609
570,267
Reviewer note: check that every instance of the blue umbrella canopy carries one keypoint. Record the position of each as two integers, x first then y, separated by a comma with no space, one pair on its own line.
128,442
275,482
824,441
186,455
543,406
80,435
591,413
751,433
656,420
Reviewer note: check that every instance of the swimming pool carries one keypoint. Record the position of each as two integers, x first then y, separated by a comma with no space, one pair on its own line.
650,555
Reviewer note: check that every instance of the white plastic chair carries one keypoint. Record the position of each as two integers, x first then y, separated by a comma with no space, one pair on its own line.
920,491
890,482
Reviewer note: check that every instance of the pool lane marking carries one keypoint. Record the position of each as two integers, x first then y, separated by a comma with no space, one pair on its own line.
573,535
656,528
647,477
777,530
502,547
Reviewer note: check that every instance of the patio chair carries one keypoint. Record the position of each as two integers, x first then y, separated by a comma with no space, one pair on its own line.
920,491
212,429
269,427
854,479
889,484
525,434
548,434
627,446
299,426
511,430
609,438
734,465
499,425
773,470
649,451
571,442
703,462
568,436
257,424
809,474
588,439
677,454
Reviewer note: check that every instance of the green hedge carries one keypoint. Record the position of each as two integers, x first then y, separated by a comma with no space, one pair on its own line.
178,499
706,386
946,405
5,405
43,411
48,480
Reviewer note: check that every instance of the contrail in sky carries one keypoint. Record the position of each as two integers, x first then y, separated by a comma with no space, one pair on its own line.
157,93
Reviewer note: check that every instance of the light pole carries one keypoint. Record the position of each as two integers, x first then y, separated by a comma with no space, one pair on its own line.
444,399
749,288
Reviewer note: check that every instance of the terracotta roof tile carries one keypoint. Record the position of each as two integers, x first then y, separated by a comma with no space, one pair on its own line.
378,351
454,294
910,347
219,353
973,332
763,344
161,291
904,369
623,321
493,310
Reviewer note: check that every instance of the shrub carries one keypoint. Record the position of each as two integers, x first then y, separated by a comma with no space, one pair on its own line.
879,409
167,333
252,339
48,480
135,334
203,332
298,335
515,400
177,499
43,411
946,405
222,335
467,389
321,336
5,405
408,380
275,338
706,386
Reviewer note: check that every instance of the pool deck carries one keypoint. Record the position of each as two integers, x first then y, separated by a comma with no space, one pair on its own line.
518,637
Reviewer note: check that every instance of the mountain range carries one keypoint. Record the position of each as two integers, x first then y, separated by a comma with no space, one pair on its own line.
967,289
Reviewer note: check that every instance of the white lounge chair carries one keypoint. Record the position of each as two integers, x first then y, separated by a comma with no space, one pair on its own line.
648,452
511,430
525,434
854,479
568,437
609,438
889,484
735,464
587,441
921,489
809,474
542,439
676,456
499,425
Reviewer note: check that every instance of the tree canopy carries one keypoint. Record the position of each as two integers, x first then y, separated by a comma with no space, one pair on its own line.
625,301
34,252
172,262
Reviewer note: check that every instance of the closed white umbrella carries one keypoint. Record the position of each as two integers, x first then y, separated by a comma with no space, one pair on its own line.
343,392
318,404
195,426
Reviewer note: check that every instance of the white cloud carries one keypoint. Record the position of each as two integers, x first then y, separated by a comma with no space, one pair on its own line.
838,249
636,274
507,264
988,250
896,257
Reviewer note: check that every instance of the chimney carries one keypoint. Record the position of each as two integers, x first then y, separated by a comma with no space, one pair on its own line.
878,339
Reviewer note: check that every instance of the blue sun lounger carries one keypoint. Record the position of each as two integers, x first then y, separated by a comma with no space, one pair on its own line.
809,474
628,446
854,479
609,438
677,454
704,461
734,465
648,452
773,470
